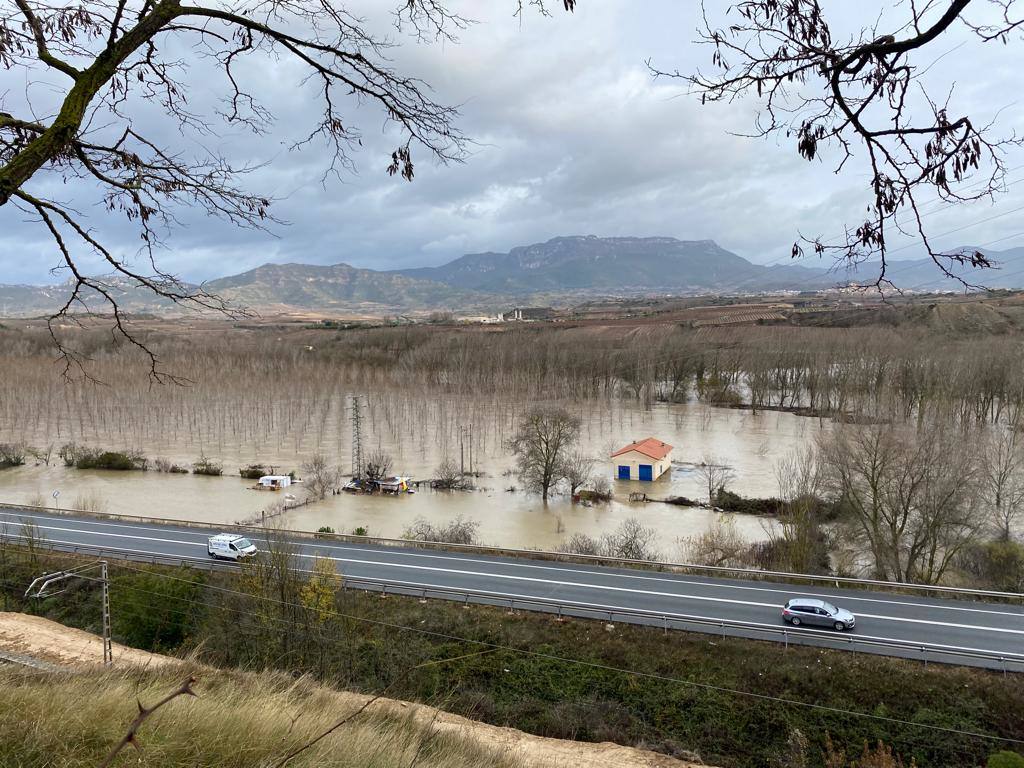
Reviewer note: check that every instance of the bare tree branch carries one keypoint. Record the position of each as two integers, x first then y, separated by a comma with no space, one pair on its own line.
185,689
864,94
114,52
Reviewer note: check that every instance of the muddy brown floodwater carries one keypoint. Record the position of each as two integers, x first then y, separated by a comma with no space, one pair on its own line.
750,444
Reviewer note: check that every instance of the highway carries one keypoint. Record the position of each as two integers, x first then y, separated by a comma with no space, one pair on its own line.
937,629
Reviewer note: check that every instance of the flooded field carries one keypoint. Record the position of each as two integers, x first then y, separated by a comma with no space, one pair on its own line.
418,432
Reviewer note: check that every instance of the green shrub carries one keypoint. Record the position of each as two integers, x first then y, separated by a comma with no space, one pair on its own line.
165,465
206,466
155,613
11,455
112,460
996,564
733,502
1005,759
253,471
323,531
80,457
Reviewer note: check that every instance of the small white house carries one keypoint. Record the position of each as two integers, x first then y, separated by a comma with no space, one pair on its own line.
642,460
275,481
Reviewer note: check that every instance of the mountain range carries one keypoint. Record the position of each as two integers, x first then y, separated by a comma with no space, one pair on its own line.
556,271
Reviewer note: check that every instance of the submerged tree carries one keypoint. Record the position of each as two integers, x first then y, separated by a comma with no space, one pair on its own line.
715,476
1002,475
541,445
866,95
319,476
577,469
377,466
912,499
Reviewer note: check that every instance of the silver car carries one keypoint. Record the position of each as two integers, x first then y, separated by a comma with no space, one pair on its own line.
818,613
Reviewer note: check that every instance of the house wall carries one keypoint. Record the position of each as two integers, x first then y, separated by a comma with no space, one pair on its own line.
633,459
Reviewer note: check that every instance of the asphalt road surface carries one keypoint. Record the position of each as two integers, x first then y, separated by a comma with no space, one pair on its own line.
892,624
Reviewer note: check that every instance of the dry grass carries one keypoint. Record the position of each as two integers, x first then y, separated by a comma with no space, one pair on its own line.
239,719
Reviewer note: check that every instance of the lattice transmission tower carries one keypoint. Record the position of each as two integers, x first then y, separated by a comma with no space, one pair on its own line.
357,438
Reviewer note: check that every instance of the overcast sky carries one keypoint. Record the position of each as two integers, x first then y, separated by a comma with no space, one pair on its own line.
572,136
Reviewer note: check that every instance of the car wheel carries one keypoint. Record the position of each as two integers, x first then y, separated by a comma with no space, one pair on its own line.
839,626
795,621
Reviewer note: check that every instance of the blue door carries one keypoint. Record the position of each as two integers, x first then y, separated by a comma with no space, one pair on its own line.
623,471
646,472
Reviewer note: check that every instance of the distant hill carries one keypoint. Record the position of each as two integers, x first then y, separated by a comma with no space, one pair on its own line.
923,275
336,287
561,270
26,300
616,265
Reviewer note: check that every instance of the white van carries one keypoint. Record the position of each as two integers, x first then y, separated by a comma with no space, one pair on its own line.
230,547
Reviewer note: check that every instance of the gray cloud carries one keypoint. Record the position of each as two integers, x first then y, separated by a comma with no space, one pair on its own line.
572,136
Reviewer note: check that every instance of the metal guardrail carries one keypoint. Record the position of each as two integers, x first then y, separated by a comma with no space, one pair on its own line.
1007,661
540,554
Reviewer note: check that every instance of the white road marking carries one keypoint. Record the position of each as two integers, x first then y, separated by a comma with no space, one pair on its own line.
848,598
573,584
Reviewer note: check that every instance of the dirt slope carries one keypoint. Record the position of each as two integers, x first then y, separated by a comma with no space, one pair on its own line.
33,638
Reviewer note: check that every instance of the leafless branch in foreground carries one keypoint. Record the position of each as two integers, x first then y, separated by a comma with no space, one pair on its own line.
185,689
866,97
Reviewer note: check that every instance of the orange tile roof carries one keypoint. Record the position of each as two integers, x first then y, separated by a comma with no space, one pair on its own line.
649,447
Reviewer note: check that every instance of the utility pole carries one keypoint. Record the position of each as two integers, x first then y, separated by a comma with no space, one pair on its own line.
108,648
462,452
357,438
47,580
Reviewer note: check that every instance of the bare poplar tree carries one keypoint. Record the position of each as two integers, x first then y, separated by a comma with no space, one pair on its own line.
715,476
721,544
798,542
377,465
1002,475
865,97
541,443
320,477
577,469
448,475
913,498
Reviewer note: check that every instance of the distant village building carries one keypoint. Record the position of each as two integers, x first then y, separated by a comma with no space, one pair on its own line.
642,460
527,313
275,481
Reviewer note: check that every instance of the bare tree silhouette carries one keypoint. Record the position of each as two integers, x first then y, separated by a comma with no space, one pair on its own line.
863,95
112,60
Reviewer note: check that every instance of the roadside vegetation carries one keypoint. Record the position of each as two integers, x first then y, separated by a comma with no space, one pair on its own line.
674,692
233,721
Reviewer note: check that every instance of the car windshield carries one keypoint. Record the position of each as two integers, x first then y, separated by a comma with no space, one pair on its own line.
830,608
243,543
